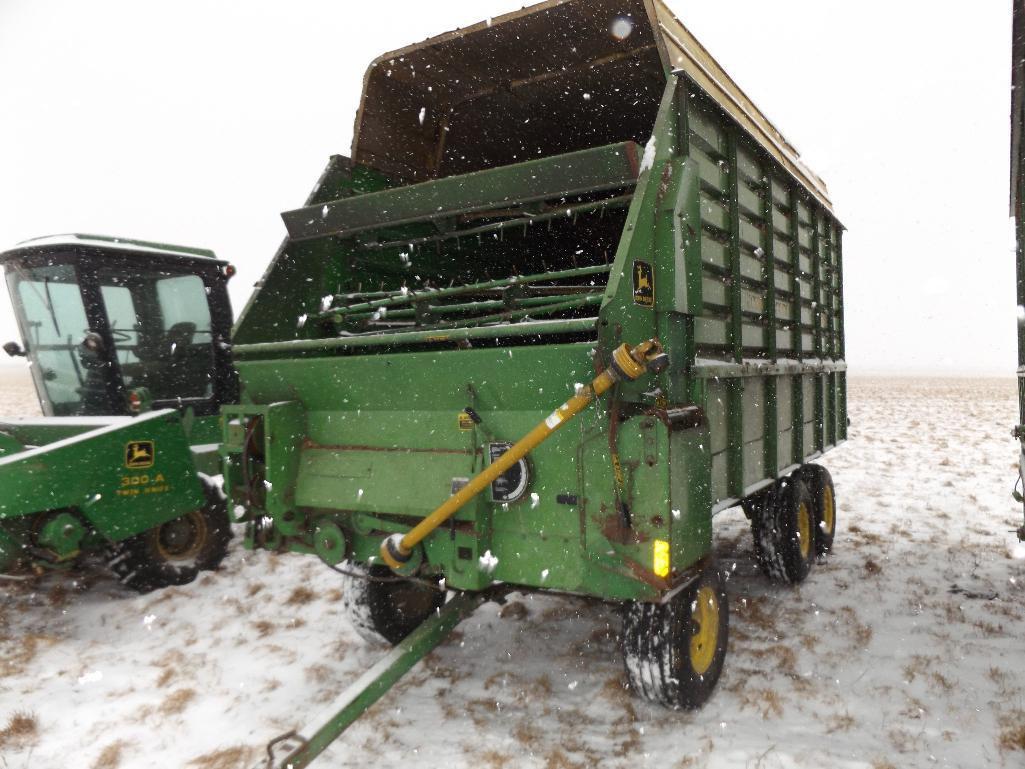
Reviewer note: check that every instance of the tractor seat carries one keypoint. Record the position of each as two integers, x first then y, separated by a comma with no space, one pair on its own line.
179,338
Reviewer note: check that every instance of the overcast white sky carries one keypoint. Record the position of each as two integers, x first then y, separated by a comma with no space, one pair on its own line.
198,122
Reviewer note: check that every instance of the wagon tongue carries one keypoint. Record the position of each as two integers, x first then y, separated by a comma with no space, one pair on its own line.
549,79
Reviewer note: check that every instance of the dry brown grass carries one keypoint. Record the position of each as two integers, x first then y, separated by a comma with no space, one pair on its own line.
22,729
452,675
989,629
263,628
765,701
493,759
300,596
863,537
481,711
237,757
110,757
616,689
941,682
1012,732
528,735
58,595
556,759
1002,680
782,657
513,610
177,701
840,723
918,665
860,633
318,672
18,655
170,666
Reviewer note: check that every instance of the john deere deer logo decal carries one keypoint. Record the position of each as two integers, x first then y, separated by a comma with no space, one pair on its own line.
644,285
139,454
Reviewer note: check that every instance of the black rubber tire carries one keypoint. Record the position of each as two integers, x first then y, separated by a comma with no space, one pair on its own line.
823,496
148,561
385,609
784,553
671,658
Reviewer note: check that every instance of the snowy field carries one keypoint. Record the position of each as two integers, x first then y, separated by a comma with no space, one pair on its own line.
903,649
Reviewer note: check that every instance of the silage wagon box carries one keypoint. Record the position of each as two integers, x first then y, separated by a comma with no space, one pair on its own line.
532,203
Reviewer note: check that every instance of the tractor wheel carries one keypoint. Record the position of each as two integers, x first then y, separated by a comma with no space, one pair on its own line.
823,495
175,552
784,530
674,652
384,608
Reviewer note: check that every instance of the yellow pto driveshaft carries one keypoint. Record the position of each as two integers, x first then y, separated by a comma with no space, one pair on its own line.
628,363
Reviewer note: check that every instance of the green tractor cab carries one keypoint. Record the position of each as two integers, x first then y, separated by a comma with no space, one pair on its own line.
106,318
127,343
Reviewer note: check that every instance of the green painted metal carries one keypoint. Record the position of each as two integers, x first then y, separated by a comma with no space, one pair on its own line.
397,299
112,477
721,253
376,681
69,483
539,329
596,169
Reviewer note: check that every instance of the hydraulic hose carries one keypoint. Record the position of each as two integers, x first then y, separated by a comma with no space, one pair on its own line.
628,363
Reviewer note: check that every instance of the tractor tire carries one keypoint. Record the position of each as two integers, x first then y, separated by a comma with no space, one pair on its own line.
783,525
383,608
175,552
674,652
823,495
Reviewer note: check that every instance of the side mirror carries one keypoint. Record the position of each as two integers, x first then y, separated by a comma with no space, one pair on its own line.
14,350
93,342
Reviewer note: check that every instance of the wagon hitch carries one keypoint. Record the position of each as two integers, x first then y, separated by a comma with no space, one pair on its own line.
297,751
628,363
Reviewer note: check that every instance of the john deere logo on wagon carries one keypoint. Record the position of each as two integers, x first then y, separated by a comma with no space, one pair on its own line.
644,285
139,454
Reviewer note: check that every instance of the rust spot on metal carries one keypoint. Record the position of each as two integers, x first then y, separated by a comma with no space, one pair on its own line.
632,159
613,530
644,575
663,185
678,417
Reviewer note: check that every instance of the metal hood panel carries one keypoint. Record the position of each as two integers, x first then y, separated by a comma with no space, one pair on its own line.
556,77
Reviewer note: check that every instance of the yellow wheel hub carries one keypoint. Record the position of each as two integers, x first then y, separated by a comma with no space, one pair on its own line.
182,538
828,510
705,615
804,529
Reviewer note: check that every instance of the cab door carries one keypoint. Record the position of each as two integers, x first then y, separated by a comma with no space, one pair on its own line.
159,322
56,316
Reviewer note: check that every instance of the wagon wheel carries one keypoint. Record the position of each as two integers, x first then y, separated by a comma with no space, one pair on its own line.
823,494
783,525
674,652
383,607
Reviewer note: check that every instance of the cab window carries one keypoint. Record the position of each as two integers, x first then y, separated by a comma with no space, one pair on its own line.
160,323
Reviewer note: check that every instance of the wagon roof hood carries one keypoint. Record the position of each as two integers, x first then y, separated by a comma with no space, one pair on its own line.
551,78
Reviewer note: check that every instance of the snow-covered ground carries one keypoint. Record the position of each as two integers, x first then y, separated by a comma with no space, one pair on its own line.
903,649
